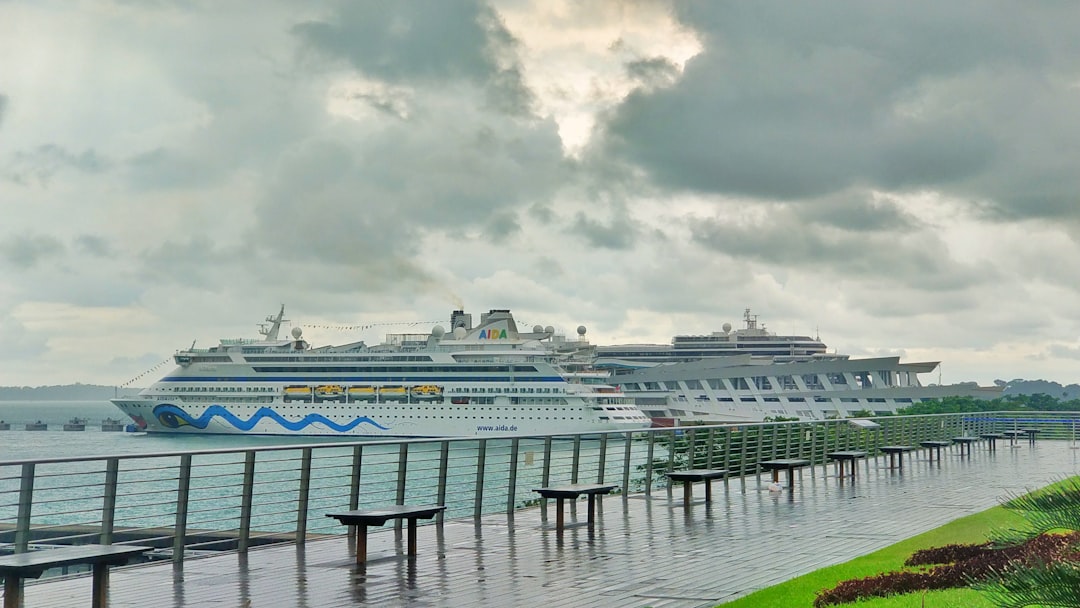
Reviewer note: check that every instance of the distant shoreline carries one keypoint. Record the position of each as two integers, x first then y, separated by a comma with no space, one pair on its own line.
67,392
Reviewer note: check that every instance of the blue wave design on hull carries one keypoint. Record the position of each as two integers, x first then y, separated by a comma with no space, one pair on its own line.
174,417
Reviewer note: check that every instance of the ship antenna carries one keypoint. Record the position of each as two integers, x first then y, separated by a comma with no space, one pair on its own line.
271,331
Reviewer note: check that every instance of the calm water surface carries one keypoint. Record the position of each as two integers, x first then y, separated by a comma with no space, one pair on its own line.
18,443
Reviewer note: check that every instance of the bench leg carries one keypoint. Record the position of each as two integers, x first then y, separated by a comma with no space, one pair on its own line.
559,515
687,494
12,591
361,544
708,490
101,586
592,509
412,537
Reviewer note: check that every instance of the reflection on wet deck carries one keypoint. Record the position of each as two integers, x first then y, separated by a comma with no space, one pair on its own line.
644,551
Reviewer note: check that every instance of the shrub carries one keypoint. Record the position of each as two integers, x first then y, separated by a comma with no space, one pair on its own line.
968,563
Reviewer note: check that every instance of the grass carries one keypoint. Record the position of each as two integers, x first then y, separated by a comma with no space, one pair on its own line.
801,591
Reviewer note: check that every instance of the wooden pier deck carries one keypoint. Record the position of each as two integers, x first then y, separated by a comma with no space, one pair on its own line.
646,551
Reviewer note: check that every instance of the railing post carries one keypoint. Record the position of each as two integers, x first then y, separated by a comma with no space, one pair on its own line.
354,481
576,460
183,488
444,468
402,465
481,460
546,480
247,494
710,447
402,469
671,450
108,505
603,460
512,485
26,503
691,449
626,465
304,494
649,464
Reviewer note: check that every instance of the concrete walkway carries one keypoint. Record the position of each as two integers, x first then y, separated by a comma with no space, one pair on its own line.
646,551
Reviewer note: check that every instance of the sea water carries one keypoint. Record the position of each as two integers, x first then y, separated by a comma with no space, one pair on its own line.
20,444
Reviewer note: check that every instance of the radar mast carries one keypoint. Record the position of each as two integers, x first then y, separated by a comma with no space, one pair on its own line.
271,330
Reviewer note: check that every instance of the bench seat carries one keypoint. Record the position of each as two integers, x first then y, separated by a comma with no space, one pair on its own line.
689,476
573,491
33,564
363,518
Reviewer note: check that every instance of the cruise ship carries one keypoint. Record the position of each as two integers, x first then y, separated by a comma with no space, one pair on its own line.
749,340
484,380
751,374
745,388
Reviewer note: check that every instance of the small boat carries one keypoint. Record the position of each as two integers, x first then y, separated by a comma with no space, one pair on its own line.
75,424
37,426
5,426
112,425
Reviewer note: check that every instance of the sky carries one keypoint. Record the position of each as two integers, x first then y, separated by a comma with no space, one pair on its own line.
897,178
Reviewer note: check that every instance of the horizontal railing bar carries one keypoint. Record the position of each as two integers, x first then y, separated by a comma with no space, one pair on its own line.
368,445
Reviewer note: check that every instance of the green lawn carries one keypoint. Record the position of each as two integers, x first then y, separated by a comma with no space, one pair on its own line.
801,591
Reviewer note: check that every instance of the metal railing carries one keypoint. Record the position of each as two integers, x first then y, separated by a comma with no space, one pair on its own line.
232,499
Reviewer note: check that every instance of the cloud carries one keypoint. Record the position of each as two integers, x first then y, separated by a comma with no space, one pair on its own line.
28,251
3,107
790,103
40,164
619,233
854,240
94,246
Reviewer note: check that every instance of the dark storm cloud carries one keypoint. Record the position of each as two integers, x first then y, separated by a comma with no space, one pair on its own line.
446,41
974,99
27,251
40,164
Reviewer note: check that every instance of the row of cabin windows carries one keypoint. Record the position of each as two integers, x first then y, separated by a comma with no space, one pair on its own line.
765,383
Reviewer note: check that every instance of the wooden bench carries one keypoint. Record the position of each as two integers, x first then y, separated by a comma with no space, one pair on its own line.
1031,433
845,456
894,452
1012,435
784,464
965,443
991,439
573,492
690,476
20,566
935,446
378,517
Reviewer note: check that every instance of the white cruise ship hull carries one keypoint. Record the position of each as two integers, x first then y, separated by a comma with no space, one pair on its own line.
366,420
